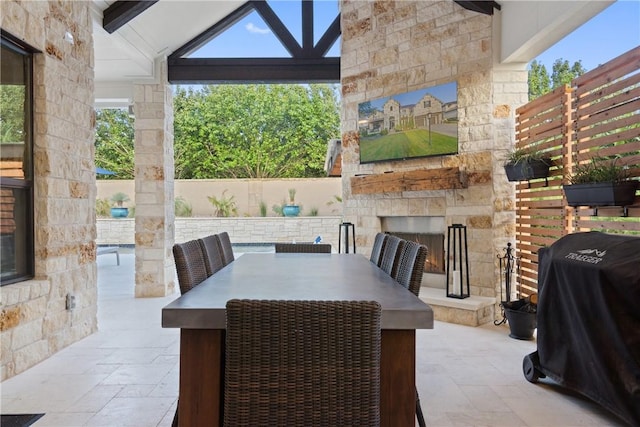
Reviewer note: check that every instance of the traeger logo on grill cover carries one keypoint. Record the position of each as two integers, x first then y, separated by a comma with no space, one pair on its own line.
592,256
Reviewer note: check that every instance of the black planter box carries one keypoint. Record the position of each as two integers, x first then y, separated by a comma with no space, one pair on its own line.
524,171
601,194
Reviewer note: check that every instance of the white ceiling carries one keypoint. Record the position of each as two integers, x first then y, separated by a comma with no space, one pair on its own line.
129,54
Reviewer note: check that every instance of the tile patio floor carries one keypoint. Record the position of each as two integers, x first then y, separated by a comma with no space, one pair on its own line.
126,374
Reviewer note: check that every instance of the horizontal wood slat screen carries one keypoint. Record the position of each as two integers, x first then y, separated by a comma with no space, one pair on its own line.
598,114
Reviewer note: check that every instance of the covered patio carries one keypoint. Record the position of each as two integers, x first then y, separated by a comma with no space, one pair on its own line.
126,374
105,360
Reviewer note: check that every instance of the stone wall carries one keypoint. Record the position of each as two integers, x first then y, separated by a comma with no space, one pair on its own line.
311,193
241,230
394,47
33,319
153,108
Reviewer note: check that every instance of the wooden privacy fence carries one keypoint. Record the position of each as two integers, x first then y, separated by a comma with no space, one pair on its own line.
598,114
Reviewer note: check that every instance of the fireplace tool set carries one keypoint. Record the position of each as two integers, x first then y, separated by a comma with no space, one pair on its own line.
520,313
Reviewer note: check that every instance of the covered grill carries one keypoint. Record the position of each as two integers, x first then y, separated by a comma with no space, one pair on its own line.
589,320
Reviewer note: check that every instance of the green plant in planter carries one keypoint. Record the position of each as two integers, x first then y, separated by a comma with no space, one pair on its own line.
599,169
277,209
600,182
103,207
182,207
292,196
524,155
291,209
523,164
224,206
118,199
263,208
336,200
118,210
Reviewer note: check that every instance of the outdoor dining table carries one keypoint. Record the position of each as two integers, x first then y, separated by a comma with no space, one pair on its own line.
200,315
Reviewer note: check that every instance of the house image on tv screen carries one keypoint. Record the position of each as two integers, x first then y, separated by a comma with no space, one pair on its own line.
415,124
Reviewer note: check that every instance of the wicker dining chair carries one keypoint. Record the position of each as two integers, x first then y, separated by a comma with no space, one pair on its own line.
411,266
302,363
317,248
226,248
409,274
390,256
191,267
213,259
378,248
190,264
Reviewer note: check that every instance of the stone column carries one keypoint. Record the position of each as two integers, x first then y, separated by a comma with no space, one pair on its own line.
154,176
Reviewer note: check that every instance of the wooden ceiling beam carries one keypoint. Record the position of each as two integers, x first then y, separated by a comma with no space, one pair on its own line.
306,65
121,12
253,70
277,26
485,7
211,32
328,38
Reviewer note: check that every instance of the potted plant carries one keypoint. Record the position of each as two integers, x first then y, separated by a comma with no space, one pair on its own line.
600,182
291,209
118,210
224,206
523,164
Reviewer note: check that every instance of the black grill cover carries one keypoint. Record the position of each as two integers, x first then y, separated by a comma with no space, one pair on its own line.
589,318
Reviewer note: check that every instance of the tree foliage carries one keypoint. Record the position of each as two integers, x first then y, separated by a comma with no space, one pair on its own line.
114,142
253,131
234,131
365,109
562,73
12,100
539,80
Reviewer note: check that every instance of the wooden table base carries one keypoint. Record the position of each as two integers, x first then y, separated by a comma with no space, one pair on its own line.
202,374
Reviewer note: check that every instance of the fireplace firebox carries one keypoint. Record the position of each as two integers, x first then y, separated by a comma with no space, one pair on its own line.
435,253
426,230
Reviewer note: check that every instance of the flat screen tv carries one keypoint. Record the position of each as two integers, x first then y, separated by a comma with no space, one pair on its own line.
421,123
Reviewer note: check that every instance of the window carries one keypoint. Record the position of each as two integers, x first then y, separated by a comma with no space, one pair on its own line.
16,165
427,104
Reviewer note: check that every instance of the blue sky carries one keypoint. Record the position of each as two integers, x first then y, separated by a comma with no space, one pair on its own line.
604,37
259,41
446,93
609,34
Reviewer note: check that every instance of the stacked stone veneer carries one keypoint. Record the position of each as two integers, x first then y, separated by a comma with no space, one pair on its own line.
393,47
153,108
241,230
33,320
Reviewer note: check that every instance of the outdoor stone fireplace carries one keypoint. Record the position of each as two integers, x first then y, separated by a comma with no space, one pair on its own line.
427,44
428,231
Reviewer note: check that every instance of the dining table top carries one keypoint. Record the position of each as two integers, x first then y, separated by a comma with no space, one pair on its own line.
297,276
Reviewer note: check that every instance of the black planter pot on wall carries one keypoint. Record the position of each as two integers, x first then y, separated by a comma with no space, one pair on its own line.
526,170
601,193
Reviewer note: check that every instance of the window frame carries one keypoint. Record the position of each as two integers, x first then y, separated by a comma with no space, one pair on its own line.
25,185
